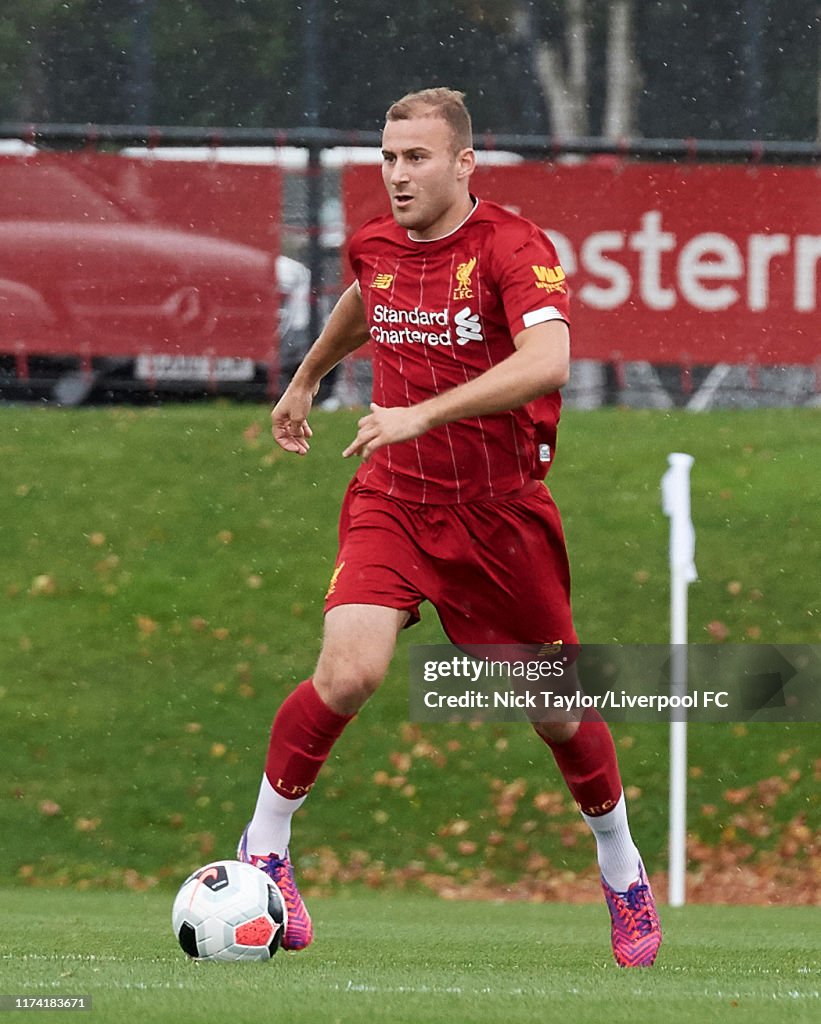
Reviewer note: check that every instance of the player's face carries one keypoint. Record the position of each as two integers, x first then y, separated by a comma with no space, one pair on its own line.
426,181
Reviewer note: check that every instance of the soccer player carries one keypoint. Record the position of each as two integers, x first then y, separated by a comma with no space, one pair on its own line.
466,309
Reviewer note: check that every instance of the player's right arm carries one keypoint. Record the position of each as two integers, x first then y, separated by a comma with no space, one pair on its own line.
345,331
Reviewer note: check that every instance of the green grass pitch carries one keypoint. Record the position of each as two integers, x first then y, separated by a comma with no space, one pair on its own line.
400,959
161,576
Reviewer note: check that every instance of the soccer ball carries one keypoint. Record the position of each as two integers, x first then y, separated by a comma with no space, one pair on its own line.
228,910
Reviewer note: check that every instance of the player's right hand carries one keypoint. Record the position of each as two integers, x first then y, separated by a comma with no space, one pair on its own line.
289,421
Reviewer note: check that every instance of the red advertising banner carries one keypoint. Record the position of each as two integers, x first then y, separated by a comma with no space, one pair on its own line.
102,255
670,263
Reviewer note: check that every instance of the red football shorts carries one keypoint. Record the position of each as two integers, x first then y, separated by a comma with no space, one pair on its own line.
495,571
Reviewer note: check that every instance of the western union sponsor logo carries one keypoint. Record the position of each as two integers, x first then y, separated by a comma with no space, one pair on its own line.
552,279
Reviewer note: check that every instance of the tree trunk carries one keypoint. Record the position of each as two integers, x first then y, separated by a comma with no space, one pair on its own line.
565,87
563,72
818,104
622,74
32,104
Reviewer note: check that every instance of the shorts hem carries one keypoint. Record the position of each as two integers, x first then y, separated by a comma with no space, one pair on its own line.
411,609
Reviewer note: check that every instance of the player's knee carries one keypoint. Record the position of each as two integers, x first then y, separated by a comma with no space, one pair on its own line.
556,732
346,686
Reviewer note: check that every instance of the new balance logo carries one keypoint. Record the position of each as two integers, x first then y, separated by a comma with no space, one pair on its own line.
468,326
383,281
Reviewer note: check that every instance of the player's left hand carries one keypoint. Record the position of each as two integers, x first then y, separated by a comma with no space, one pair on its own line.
386,426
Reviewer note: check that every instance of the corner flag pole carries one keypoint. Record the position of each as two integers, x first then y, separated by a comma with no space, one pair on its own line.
675,490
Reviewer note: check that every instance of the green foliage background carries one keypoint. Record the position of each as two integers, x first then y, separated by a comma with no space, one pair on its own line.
245,62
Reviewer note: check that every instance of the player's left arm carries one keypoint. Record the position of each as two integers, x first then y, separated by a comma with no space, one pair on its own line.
539,366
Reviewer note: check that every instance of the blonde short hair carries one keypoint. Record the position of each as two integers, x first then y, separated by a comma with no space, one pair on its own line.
448,104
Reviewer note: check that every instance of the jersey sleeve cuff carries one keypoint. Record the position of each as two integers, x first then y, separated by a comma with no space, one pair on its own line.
542,316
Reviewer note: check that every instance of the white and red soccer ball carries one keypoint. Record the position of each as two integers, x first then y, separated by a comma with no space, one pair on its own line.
228,910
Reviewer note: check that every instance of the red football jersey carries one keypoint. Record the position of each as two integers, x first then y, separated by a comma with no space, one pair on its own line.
442,312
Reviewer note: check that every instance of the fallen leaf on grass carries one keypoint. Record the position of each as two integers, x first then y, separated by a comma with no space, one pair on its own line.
549,802
737,796
107,565
769,790
43,584
457,827
401,761
146,625
252,432
506,801
87,824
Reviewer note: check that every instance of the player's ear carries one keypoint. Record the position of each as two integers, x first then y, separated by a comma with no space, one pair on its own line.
465,163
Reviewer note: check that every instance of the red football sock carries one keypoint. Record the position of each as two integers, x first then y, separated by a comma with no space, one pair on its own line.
302,735
589,766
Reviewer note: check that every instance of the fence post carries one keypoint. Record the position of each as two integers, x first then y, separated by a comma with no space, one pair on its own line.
314,212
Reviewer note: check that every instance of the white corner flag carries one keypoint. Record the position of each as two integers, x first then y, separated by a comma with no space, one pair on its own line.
675,500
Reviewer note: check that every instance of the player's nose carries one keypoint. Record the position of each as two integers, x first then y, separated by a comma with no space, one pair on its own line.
399,174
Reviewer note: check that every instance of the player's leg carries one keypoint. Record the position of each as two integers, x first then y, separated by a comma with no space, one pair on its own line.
358,645
585,755
357,649
524,597
369,600
589,766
